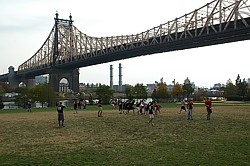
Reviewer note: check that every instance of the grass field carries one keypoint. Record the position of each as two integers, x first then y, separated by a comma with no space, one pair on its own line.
126,139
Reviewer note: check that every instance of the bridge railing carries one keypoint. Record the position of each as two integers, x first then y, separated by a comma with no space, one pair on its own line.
42,57
193,24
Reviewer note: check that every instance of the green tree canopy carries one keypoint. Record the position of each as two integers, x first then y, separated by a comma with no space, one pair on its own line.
140,91
230,89
104,93
241,86
23,96
43,93
187,87
2,90
129,92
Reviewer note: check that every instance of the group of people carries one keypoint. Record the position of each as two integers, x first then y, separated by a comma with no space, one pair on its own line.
60,107
142,106
78,104
149,108
190,106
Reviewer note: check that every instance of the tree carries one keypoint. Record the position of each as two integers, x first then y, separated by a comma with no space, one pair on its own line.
43,93
6,87
200,94
248,94
177,91
129,92
139,91
241,86
2,90
161,90
230,89
104,93
187,87
238,80
23,96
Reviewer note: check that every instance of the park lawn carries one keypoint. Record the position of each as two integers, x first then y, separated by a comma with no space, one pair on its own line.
126,139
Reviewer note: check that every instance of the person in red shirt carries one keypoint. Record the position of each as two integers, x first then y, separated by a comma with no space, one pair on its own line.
157,108
190,109
208,104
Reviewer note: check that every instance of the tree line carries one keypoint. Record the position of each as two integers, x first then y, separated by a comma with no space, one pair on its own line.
44,93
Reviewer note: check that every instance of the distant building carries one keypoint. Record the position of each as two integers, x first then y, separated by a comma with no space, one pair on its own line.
170,88
215,94
150,88
82,85
118,88
218,86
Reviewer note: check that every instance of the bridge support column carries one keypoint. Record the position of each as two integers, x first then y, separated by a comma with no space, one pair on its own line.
31,83
12,78
56,75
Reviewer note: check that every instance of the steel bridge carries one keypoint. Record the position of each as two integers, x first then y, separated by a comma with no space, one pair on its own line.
67,48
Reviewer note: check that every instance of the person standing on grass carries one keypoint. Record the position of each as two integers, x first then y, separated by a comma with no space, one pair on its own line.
151,113
29,106
79,104
120,103
208,104
141,106
84,104
60,108
100,108
137,106
75,106
183,107
112,103
190,109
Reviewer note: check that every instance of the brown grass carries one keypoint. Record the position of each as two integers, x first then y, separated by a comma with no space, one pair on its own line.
35,138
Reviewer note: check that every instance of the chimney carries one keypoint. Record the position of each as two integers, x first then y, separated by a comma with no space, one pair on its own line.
111,76
120,77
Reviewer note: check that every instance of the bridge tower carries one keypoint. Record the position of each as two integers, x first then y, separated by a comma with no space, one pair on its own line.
56,74
72,76
12,78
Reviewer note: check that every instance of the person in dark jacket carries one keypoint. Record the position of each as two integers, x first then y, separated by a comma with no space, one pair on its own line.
60,108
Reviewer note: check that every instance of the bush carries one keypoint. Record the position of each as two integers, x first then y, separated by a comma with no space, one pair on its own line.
238,98
234,98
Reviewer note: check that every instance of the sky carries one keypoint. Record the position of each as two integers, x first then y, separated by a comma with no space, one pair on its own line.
25,25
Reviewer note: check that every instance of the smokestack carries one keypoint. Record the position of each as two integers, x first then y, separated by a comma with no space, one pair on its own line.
111,76
120,77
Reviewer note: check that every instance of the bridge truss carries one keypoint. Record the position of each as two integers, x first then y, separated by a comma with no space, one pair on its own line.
66,43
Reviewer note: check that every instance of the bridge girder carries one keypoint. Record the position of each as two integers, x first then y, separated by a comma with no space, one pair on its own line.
218,16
